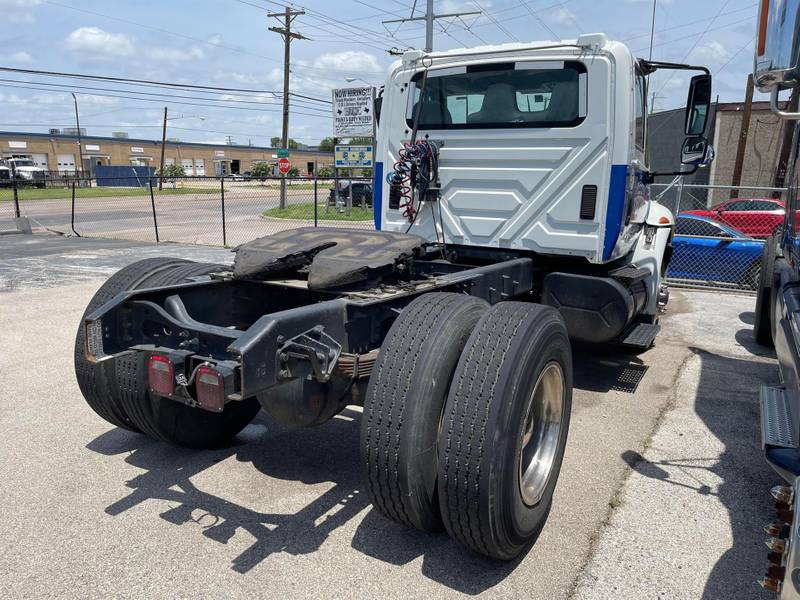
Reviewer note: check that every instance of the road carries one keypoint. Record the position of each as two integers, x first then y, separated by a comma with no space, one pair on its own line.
187,218
95,512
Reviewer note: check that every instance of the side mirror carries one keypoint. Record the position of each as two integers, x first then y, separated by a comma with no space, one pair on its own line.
377,108
698,104
696,151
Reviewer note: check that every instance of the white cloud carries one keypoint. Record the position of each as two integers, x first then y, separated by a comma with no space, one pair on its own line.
351,60
215,39
21,57
563,16
175,54
710,52
99,44
18,11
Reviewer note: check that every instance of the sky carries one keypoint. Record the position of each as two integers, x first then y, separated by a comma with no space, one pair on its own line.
227,43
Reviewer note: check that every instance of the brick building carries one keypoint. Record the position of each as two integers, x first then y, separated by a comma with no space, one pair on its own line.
59,152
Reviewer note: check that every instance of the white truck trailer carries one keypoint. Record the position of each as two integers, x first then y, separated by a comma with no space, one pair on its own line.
513,218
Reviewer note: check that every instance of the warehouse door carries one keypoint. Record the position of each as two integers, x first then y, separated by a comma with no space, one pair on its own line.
66,164
199,167
187,165
40,160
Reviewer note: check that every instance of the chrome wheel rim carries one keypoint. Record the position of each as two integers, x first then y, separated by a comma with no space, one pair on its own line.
541,433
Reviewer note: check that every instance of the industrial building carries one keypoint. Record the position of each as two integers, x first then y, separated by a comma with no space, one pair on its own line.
58,151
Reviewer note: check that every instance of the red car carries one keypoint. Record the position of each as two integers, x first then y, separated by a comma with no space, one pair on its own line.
754,217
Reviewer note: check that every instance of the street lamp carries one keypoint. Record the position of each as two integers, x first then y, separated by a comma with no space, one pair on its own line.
164,141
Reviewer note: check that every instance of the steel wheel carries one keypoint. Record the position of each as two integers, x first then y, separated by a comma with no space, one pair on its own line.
540,436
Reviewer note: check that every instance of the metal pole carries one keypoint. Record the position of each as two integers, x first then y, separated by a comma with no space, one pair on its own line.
72,215
78,127
786,143
652,31
315,201
222,197
163,146
14,189
153,204
429,26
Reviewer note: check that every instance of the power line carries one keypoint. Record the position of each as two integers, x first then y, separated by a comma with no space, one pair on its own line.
126,80
154,94
500,26
161,101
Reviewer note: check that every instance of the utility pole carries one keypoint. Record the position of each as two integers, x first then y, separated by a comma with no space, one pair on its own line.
786,144
744,129
429,19
163,147
288,15
78,129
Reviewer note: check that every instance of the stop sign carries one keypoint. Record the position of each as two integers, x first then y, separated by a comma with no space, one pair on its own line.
284,165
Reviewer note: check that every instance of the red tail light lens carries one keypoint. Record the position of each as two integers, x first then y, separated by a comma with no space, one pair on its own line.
210,387
161,375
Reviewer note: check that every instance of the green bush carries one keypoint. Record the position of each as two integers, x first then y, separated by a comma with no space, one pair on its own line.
260,170
325,172
173,171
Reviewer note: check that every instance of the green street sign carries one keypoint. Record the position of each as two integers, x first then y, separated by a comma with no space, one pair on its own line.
283,153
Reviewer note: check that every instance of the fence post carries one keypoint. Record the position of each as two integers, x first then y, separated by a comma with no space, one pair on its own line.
14,188
222,197
315,201
72,213
153,204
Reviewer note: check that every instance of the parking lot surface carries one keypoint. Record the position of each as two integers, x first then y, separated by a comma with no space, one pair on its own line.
662,493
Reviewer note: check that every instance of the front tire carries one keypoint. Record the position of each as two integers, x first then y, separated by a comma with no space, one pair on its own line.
763,323
504,429
404,401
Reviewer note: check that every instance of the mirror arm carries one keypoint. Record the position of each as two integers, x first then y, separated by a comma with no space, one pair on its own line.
649,177
651,66
773,105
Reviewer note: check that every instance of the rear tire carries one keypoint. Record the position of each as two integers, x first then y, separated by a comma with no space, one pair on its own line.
763,323
124,380
94,379
404,401
504,429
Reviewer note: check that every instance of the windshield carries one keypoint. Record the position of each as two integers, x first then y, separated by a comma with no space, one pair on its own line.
20,162
521,94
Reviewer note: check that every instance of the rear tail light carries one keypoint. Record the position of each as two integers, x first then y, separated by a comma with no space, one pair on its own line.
210,388
161,375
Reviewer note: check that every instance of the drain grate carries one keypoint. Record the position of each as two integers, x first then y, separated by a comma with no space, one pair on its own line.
629,378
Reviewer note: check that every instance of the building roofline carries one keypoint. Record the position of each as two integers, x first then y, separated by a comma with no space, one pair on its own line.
62,136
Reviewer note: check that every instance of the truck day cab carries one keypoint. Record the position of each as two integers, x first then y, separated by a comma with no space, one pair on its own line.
777,311
512,217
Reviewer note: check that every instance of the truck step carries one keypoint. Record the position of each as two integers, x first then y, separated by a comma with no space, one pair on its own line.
640,335
776,418
629,274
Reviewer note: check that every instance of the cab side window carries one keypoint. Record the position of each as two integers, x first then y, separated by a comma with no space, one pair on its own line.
640,102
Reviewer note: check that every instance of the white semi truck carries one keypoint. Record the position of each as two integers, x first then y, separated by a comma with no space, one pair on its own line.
512,216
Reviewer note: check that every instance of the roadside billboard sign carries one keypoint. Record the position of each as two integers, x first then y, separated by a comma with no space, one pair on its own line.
353,112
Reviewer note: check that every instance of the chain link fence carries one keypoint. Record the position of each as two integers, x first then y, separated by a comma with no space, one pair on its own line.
220,211
720,232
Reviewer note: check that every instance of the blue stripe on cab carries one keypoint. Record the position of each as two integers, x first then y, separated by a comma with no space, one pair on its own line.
616,206
377,193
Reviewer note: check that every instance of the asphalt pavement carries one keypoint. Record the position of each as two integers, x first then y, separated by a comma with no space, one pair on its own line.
663,472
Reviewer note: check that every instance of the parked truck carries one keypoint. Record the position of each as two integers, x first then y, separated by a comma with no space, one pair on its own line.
777,310
512,218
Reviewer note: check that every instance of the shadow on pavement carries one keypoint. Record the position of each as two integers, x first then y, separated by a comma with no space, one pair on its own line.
732,415
604,370
328,453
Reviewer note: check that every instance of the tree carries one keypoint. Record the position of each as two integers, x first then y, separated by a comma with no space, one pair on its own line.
260,170
275,142
173,171
324,172
326,145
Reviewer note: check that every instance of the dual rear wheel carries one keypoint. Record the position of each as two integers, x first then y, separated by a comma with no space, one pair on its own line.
466,418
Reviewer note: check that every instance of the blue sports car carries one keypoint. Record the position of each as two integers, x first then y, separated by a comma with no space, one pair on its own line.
710,251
